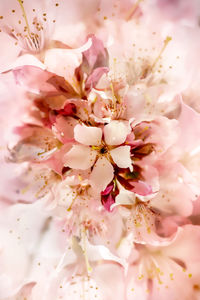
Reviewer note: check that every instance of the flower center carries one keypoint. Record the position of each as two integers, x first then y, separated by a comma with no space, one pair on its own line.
103,150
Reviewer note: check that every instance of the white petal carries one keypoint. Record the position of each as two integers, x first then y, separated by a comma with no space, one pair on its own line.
121,156
115,132
88,135
80,157
125,198
102,174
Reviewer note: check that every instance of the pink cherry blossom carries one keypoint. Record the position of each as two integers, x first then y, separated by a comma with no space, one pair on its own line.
99,150
164,269
109,145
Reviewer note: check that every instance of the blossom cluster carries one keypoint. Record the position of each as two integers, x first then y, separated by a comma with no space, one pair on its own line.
100,150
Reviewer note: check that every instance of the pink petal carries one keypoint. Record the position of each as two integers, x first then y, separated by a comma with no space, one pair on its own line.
25,292
108,189
65,63
64,128
93,79
68,110
102,174
113,275
177,10
80,157
189,122
33,79
141,188
55,162
186,245
175,195
33,145
115,132
121,156
25,222
96,56
142,223
88,135
108,202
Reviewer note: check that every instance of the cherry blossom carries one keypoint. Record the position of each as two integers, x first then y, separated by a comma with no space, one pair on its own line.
99,150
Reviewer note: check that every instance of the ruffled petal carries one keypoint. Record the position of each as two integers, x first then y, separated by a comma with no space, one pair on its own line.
33,79
96,56
80,157
88,135
93,79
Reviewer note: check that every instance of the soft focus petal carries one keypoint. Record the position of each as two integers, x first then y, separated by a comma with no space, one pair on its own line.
190,132
21,228
33,79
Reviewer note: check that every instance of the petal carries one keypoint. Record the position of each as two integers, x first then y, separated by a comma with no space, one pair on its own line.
33,79
141,188
115,132
37,144
102,174
108,202
80,157
113,275
64,128
175,195
88,135
65,63
125,198
94,77
24,292
96,56
142,224
21,229
108,189
177,10
121,156
190,131
186,243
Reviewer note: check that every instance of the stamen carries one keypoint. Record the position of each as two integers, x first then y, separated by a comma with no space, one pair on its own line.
132,10
166,42
89,268
70,207
25,17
